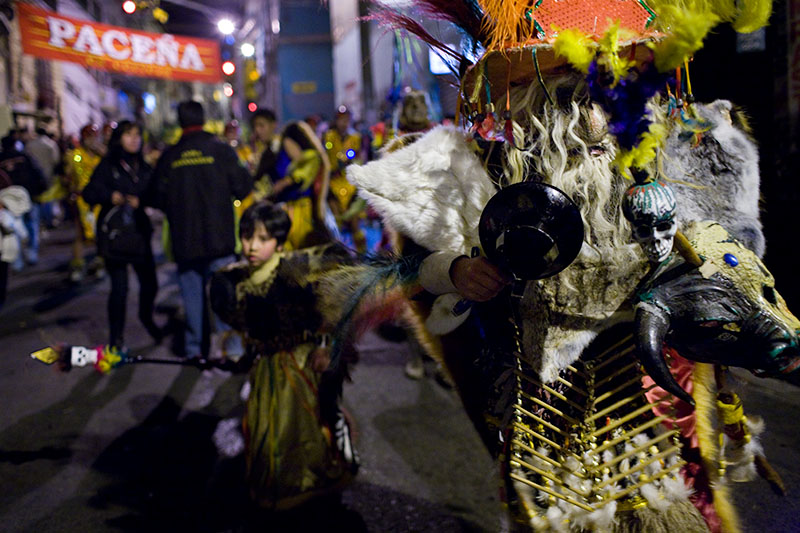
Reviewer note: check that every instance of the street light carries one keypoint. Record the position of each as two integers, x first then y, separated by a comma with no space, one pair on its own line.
248,50
226,26
129,7
228,68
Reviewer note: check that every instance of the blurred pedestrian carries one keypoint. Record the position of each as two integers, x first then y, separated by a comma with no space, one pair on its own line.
195,182
79,164
119,185
22,170
265,150
14,203
45,153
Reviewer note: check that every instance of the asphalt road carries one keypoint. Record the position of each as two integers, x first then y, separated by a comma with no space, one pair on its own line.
133,451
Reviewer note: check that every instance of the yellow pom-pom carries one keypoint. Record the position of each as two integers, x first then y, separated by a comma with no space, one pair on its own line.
753,15
576,48
688,30
642,153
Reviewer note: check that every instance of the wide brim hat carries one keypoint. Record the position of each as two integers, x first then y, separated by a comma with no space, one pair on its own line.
509,62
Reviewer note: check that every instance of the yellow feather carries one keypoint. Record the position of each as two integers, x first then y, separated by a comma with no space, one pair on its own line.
609,52
686,37
576,48
644,152
753,14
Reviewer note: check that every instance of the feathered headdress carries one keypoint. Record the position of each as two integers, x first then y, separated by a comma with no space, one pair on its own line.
613,42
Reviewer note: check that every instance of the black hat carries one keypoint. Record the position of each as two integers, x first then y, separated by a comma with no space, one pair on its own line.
532,229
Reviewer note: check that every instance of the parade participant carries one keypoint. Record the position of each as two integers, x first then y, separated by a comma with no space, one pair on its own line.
264,125
245,153
534,296
22,170
297,441
79,164
45,153
304,172
231,134
194,183
343,145
14,203
118,185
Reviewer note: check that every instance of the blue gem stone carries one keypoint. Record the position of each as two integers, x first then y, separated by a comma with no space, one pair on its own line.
731,259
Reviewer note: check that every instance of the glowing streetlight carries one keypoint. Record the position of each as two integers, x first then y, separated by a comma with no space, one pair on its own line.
129,7
226,26
248,50
228,90
252,107
228,68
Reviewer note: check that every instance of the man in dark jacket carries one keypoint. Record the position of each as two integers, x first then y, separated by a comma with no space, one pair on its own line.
195,183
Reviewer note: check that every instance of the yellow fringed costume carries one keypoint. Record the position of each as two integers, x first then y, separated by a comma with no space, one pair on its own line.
79,165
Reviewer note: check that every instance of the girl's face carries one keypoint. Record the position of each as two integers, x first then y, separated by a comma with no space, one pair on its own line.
131,141
260,246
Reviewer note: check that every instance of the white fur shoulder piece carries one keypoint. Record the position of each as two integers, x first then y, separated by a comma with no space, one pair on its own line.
432,190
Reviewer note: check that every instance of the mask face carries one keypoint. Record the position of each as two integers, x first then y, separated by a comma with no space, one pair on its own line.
650,208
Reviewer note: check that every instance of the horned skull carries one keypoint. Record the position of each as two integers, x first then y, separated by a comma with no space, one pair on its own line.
650,208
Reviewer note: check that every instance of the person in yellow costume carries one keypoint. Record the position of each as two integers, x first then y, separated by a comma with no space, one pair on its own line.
343,145
302,188
245,154
79,165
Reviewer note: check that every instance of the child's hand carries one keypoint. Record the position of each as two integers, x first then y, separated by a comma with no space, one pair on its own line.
320,359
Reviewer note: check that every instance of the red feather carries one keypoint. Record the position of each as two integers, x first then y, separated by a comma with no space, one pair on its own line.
465,14
393,19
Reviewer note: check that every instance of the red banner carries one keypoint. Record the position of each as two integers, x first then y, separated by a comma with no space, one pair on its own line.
50,35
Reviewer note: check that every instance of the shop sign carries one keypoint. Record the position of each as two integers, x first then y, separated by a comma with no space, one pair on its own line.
50,35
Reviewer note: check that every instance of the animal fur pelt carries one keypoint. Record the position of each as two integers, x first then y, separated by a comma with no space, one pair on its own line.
718,179
432,191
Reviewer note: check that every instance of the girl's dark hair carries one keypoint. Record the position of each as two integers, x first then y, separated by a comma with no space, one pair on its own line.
275,219
294,132
115,150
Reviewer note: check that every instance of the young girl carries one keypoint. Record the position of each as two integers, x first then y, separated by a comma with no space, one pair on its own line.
297,441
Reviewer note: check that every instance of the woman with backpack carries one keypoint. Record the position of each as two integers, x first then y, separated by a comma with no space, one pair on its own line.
118,185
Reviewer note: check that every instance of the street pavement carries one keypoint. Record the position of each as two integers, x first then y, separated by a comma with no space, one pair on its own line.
133,450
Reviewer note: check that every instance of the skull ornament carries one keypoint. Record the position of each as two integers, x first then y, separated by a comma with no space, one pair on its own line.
650,208
81,356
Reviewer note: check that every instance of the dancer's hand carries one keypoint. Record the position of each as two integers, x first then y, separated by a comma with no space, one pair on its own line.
320,359
117,198
477,279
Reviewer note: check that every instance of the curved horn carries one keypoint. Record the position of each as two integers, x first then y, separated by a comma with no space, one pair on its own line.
652,326
685,248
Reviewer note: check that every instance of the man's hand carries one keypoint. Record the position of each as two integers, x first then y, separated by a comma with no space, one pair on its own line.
477,279
117,198
133,201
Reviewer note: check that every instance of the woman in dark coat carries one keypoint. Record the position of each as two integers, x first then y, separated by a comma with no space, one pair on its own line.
119,184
